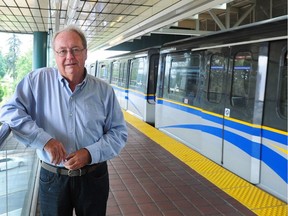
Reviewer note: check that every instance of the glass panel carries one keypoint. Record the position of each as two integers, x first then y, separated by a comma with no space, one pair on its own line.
240,81
183,78
153,70
283,87
18,168
115,73
138,74
216,78
123,75
104,72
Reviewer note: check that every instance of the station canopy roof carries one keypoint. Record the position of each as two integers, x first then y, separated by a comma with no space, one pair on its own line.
114,24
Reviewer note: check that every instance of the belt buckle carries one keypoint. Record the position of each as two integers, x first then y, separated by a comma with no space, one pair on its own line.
72,173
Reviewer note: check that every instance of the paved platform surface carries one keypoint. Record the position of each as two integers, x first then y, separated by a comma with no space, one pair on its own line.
148,180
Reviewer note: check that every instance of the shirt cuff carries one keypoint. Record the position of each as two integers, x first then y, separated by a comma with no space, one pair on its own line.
41,140
94,153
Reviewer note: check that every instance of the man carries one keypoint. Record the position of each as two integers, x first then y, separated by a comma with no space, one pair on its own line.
75,123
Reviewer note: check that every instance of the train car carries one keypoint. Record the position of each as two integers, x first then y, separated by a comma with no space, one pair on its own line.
133,77
225,95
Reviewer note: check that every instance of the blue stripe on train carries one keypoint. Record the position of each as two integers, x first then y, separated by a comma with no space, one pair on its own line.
271,158
246,145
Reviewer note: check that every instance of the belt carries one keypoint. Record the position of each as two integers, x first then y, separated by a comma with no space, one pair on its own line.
70,173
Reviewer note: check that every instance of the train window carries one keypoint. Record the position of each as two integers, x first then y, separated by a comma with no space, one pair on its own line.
183,78
153,70
123,75
240,78
283,86
138,75
115,73
104,72
216,78
92,69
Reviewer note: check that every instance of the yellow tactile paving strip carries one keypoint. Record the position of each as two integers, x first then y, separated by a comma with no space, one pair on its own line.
255,199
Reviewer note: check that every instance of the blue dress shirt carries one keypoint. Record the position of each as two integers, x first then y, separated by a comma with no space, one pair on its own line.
44,107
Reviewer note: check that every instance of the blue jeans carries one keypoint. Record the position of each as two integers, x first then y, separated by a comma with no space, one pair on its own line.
60,194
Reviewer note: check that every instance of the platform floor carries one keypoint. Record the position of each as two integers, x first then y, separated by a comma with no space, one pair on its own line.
156,175
148,180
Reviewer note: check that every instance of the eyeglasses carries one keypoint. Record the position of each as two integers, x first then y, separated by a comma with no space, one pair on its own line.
73,51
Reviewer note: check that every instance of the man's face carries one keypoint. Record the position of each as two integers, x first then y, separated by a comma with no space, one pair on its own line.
70,55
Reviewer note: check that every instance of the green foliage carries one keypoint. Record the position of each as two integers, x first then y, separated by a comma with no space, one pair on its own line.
12,55
13,67
2,66
2,93
23,65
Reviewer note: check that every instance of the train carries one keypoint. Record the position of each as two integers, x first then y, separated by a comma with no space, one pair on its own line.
133,77
222,94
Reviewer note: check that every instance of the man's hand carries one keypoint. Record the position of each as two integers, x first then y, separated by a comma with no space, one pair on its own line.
56,150
78,159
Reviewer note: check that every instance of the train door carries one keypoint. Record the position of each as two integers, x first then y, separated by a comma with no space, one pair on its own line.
115,79
151,87
123,84
244,110
213,84
274,160
137,87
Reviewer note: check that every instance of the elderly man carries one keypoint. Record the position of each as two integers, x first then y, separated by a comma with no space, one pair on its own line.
76,124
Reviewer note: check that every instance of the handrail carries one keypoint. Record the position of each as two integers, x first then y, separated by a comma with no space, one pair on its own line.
4,133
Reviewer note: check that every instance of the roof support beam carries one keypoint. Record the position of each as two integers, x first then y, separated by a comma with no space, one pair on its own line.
244,15
179,11
180,32
217,20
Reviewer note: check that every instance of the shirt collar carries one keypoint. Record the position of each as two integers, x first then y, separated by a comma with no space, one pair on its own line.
64,82
83,83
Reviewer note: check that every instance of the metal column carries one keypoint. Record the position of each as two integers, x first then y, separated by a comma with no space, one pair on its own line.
40,50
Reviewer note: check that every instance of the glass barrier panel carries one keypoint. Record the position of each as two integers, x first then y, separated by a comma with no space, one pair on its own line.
18,169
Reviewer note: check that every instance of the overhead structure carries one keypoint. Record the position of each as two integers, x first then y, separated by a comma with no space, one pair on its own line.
110,23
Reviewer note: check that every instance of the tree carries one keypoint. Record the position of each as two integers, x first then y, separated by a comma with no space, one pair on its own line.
12,55
2,65
2,93
23,66
2,73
